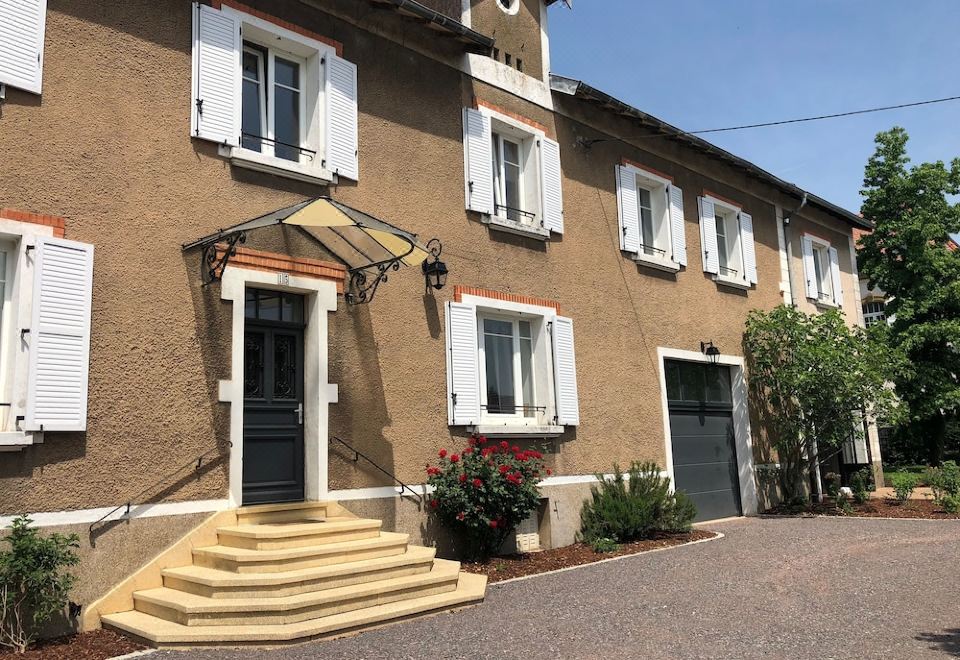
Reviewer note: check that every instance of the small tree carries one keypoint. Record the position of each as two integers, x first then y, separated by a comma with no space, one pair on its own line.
808,374
33,584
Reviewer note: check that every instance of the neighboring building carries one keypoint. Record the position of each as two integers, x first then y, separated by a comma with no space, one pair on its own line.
591,270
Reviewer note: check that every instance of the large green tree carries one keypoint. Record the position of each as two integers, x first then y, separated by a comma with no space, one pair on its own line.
908,257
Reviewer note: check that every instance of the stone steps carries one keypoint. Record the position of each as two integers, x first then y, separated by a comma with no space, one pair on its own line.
277,536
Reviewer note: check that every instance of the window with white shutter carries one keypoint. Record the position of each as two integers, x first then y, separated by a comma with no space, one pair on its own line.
835,276
650,210
510,367
678,235
628,209
708,236
552,177
275,100
59,336
727,241
22,24
749,250
477,145
821,270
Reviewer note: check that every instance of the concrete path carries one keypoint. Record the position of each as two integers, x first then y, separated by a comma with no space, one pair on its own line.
919,493
772,588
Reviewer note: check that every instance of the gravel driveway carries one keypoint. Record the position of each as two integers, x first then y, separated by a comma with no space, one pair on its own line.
773,588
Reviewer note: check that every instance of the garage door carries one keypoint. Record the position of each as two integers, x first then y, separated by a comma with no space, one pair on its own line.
701,431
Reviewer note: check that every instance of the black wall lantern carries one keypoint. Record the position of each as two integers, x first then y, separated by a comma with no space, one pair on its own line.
711,351
434,272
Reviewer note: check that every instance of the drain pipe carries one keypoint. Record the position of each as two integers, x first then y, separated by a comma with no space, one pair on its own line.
789,244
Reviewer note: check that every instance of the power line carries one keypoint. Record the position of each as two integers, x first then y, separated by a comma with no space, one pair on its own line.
783,121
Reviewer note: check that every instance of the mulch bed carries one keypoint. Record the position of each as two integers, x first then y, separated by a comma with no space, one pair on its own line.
874,508
94,645
578,554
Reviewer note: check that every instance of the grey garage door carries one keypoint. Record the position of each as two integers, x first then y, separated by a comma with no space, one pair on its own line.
701,429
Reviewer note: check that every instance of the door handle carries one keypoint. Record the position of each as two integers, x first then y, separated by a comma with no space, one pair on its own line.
300,413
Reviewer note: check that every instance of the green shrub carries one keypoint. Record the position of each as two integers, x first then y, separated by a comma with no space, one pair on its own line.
604,544
944,481
950,503
634,506
843,504
484,492
33,583
903,484
832,483
861,483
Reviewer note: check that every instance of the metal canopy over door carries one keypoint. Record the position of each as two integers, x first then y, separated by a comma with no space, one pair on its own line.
273,459
700,403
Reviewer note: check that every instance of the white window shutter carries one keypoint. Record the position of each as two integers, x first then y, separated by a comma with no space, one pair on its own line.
478,161
342,113
59,351
551,186
749,249
708,236
463,376
678,237
835,276
629,209
215,113
809,271
565,372
22,24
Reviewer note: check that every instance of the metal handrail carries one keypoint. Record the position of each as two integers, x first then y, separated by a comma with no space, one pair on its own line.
196,462
524,408
728,271
647,249
529,214
310,153
357,455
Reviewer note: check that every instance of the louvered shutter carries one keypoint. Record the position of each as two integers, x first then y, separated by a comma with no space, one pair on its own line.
708,236
463,376
565,372
809,271
21,43
59,339
342,128
678,237
835,276
551,177
628,209
215,114
749,250
478,161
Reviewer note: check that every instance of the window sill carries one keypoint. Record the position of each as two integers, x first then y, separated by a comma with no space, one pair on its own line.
254,160
743,285
507,431
16,440
660,263
824,304
509,226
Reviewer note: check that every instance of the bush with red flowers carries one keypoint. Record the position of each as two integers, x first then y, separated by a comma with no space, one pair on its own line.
485,491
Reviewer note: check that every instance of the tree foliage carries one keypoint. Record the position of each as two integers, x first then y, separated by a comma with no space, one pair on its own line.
907,256
810,375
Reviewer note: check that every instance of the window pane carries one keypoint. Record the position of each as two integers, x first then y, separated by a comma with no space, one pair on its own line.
292,308
253,366
646,220
722,242
251,102
250,309
498,350
718,384
692,382
511,178
673,381
286,122
286,73
269,306
497,177
526,369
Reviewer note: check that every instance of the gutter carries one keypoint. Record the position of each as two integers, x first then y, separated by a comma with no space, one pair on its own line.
440,21
582,90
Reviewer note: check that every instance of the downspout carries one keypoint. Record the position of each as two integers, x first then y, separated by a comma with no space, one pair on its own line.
789,243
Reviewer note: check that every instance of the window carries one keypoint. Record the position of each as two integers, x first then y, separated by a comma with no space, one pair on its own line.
510,7
513,175
295,112
511,368
726,233
874,311
651,218
822,271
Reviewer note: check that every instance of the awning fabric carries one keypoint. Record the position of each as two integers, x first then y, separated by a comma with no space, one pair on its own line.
358,239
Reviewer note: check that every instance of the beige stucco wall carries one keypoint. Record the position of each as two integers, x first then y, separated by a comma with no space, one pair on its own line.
108,147
517,34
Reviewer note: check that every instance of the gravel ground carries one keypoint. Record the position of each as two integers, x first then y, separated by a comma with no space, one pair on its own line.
772,588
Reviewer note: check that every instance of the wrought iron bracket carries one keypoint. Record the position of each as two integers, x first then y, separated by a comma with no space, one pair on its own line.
213,265
365,281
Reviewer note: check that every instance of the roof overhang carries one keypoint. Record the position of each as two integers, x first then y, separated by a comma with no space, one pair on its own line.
441,23
582,90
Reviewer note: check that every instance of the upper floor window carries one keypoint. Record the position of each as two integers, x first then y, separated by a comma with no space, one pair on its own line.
874,311
507,377
651,218
512,174
275,100
22,25
726,233
821,271
509,6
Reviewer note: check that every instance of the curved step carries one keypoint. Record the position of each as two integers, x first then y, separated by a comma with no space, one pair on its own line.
275,536
163,633
285,512
191,610
243,560
213,583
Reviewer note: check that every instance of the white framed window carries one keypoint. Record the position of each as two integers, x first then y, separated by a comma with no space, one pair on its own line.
511,368
651,218
22,26
274,99
726,233
512,174
510,7
821,271
874,311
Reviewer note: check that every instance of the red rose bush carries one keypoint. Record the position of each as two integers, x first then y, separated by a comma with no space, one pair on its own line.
485,491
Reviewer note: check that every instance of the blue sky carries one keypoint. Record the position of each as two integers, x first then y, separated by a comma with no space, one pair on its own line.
701,64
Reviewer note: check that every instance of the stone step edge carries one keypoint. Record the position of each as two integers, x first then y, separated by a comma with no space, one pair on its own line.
267,531
247,556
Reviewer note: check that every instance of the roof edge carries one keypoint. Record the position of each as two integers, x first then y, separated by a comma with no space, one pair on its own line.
440,21
580,89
